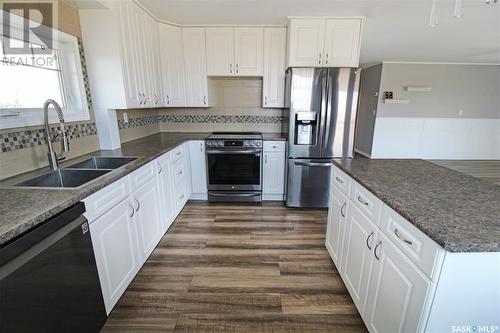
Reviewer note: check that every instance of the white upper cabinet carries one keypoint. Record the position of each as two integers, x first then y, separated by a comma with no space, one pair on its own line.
248,51
234,51
121,42
195,67
332,42
305,42
273,85
220,51
172,65
342,41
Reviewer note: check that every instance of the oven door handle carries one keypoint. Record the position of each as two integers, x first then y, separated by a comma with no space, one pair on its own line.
313,164
235,194
241,151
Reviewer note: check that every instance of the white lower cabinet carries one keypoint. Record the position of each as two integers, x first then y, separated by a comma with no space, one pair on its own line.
359,240
114,238
335,229
146,201
198,170
390,289
166,191
398,291
130,216
273,171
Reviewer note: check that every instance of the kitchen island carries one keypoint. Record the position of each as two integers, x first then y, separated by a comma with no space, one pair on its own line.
417,245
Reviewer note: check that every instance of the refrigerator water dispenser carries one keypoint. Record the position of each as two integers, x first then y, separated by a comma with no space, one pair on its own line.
305,128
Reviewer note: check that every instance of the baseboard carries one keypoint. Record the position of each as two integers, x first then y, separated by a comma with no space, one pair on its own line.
199,196
272,197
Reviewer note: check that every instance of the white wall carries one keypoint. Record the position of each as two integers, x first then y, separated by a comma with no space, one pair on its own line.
458,119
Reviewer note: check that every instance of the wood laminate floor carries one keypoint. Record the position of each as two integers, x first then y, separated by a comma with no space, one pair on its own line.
239,268
486,170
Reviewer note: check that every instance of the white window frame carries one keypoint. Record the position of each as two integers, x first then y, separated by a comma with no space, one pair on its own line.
24,117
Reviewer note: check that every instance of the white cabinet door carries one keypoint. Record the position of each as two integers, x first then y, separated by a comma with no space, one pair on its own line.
198,170
305,44
172,65
398,291
129,53
342,41
357,252
220,51
114,240
195,67
273,85
248,51
146,201
166,192
337,214
273,175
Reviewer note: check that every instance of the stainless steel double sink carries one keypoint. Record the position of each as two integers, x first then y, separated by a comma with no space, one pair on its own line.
78,174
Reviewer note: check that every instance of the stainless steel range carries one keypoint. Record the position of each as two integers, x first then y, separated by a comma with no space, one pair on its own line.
234,166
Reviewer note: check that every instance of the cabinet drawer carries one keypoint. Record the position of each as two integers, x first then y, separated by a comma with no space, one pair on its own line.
420,249
274,145
179,171
341,181
103,200
142,175
366,201
177,153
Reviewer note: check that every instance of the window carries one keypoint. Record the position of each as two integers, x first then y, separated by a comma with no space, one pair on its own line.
27,80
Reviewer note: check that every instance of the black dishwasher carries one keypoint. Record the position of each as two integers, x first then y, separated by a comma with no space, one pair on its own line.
49,280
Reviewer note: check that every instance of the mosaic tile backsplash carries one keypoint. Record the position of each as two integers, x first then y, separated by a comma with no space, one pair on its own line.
213,119
36,137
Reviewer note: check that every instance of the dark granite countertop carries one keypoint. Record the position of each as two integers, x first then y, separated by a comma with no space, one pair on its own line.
24,208
459,212
274,137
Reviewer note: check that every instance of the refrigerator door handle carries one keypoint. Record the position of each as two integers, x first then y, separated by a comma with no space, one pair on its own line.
326,136
313,164
322,124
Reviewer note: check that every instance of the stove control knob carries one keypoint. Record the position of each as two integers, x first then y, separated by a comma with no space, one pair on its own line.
253,144
220,143
259,143
208,144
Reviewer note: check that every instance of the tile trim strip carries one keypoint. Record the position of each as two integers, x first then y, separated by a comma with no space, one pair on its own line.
36,137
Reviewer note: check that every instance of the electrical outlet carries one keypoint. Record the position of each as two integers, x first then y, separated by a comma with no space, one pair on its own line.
388,95
125,117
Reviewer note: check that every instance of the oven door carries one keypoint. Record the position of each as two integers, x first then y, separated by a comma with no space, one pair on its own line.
234,169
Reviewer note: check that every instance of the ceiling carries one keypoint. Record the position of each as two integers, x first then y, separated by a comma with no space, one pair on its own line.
396,30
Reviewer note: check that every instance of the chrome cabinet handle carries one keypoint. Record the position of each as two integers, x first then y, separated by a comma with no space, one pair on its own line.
237,69
319,62
179,173
201,147
368,241
326,61
168,100
375,251
160,168
178,153
339,180
138,205
131,209
265,158
182,196
407,241
362,201
265,100
205,100
231,68
342,209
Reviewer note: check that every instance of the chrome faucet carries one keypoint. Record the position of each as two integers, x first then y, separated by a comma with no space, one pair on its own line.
53,157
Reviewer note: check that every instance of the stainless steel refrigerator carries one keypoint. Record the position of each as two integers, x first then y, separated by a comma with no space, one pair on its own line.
321,105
